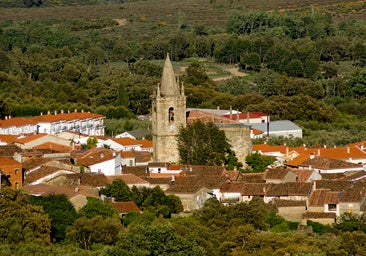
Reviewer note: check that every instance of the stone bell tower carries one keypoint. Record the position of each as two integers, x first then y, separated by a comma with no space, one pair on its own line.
168,115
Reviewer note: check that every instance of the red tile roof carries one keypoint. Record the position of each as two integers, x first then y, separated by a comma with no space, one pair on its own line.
319,215
65,117
303,175
129,179
265,148
145,143
40,173
252,177
29,138
246,115
126,141
326,163
289,203
276,173
344,153
256,131
96,155
126,207
16,121
320,197
8,138
289,189
54,147
8,161
205,117
127,154
69,190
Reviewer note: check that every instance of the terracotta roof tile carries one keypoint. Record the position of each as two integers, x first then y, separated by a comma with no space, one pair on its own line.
127,154
289,203
42,172
246,189
256,131
96,155
319,215
205,117
145,143
8,161
54,147
126,207
289,189
319,197
276,173
265,148
8,138
126,141
332,185
194,183
66,117
16,121
29,138
303,175
129,179
326,163
233,175
87,179
142,156
9,150
332,176
136,170
252,177
246,115
355,194
69,190
158,180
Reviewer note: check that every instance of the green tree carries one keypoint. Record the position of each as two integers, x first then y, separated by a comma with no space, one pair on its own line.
90,143
118,190
202,144
21,221
61,212
159,203
87,232
96,207
155,239
259,163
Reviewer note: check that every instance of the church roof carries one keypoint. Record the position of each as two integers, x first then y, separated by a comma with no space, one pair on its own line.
169,85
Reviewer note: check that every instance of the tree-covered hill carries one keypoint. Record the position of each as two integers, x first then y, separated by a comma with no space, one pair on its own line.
302,62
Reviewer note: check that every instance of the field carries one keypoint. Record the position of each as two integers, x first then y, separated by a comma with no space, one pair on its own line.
211,13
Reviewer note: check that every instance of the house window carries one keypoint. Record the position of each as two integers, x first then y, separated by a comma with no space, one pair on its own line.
332,207
159,170
16,171
171,114
17,185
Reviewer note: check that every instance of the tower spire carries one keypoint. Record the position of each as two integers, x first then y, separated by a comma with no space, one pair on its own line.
169,85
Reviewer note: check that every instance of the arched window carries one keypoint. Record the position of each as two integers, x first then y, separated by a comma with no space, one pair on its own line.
171,114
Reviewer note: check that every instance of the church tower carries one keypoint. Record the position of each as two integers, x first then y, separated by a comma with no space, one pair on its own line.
168,115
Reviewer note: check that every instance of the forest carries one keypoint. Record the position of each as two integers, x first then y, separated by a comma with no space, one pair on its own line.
302,63
49,225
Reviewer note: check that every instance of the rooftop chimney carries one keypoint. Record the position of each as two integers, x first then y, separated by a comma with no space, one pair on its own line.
348,150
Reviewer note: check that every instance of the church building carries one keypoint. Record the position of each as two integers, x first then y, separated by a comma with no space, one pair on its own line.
169,113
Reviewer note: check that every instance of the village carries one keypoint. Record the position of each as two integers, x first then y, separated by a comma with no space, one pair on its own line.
68,153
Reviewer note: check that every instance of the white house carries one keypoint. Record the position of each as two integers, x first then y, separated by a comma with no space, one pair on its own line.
123,144
101,160
17,126
80,122
283,128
